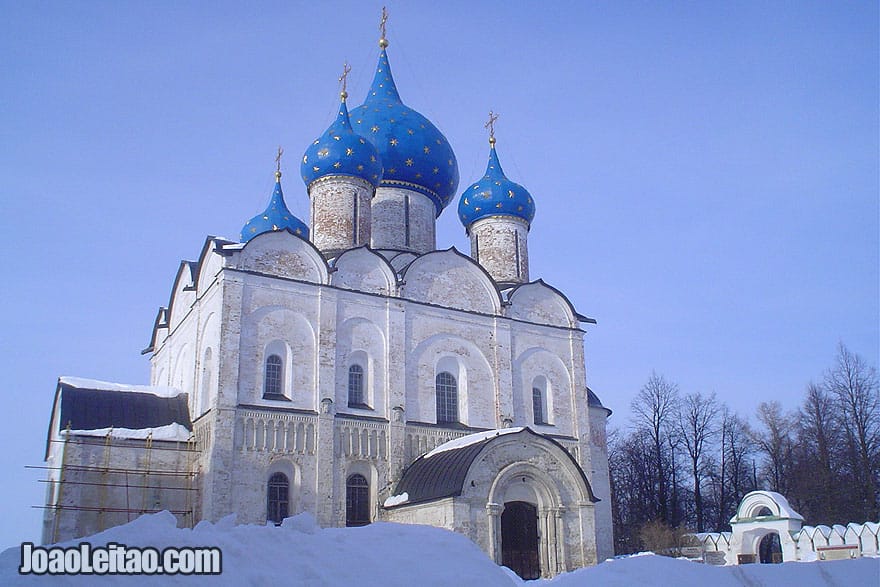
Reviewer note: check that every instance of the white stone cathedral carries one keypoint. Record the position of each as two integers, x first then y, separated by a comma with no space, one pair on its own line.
352,370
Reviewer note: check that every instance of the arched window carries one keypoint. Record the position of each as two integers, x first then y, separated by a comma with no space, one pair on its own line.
447,397
277,499
357,501
356,387
763,511
274,370
538,405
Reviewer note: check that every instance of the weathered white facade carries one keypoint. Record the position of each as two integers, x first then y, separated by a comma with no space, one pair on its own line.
318,367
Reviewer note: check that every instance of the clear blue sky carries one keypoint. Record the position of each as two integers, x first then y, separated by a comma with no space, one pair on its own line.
705,174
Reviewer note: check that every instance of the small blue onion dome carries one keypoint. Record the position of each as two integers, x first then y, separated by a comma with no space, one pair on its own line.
495,195
275,217
414,153
341,151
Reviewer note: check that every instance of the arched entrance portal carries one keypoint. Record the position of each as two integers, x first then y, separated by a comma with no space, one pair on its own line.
519,539
769,549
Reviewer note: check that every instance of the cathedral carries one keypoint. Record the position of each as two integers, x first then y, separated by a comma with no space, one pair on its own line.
349,368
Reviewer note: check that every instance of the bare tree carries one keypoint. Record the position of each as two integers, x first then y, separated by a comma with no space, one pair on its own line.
697,427
654,409
855,386
774,441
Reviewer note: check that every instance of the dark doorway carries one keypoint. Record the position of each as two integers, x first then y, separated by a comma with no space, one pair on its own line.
277,494
770,549
519,539
357,501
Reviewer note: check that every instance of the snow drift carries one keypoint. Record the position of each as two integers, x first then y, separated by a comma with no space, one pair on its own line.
301,553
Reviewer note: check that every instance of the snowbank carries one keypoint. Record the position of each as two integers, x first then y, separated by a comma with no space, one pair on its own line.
301,553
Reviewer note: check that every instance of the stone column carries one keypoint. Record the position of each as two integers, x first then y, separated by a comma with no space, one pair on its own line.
493,510
561,559
544,541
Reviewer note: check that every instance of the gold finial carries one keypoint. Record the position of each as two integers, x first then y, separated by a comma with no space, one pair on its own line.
278,163
490,124
343,79
383,42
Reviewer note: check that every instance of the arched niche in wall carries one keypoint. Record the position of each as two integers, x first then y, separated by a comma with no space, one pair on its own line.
276,330
360,341
475,380
539,367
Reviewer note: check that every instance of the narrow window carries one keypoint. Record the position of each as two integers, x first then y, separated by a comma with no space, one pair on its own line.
447,397
477,248
277,498
406,219
356,387
357,501
272,382
538,405
516,248
355,227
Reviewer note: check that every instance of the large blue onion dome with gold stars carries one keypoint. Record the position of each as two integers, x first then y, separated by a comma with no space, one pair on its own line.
495,195
275,217
341,151
414,154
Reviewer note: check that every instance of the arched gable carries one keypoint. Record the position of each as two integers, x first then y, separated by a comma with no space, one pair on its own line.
362,269
183,293
283,254
753,503
539,303
400,260
210,263
450,279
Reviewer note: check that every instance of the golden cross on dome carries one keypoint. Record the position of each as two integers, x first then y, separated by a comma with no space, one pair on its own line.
278,162
343,79
490,124
383,42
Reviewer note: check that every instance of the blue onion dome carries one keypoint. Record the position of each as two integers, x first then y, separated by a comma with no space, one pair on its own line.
341,151
495,195
275,217
414,153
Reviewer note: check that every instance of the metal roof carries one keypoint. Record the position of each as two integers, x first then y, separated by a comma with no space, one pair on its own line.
442,474
93,409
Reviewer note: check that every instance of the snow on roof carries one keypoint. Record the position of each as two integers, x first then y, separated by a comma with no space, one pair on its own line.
396,500
172,431
83,383
471,439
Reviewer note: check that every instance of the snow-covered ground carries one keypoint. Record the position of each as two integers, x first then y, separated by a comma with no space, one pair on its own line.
300,553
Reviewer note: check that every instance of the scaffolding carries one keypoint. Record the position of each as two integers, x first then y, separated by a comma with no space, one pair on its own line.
102,482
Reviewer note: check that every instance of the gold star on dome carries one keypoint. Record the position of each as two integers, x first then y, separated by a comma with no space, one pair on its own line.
374,128
336,137
392,171
253,229
426,149
498,205
315,168
466,203
349,151
360,167
436,170
393,142
337,165
265,217
409,162
392,121
324,152
305,158
372,158
509,193
362,141
410,131
418,176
